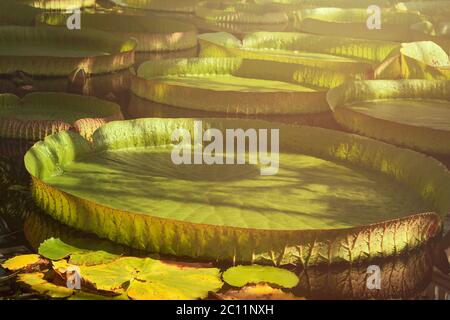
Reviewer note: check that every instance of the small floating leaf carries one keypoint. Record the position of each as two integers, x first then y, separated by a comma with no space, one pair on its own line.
37,283
112,276
55,249
161,281
242,275
20,262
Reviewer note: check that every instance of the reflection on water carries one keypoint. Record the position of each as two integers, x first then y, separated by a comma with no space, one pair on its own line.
403,277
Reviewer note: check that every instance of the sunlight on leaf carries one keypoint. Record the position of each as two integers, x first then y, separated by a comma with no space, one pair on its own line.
160,281
92,258
241,275
113,276
37,283
20,262
258,292
55,249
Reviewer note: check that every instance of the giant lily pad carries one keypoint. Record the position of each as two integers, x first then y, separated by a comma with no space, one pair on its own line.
247,13
38,115
351,55
391,60
299,4
238,86
416,60
151,32
411,113
143,108
336,197
51,51
58,4
237,29
403,277
55,249
233,87
430,8
435,33
142,57
15,13
186,6
149,279
395,26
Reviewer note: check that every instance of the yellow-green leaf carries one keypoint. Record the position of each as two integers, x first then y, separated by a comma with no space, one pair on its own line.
242,275
161,281
92,258
258,292
20,262
36,281
112,276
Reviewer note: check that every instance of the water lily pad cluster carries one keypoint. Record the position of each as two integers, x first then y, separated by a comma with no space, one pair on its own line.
105,275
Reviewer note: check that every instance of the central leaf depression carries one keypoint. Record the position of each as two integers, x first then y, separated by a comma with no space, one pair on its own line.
307,192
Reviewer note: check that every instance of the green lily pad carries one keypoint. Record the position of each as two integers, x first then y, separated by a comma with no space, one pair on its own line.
52,51
339,54
182,6
38,115
411,113
92,258
58,4
20,262
13,12
55,249
431,8
160,281
244,13
238,87
36,282
403,277
242,275
152,33
345,187
114,276
373,58
148,279
352,22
